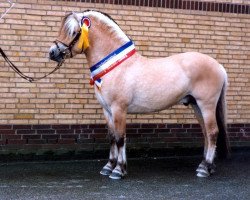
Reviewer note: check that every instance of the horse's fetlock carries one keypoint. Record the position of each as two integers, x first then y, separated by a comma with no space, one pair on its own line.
122,166
120,142
113,162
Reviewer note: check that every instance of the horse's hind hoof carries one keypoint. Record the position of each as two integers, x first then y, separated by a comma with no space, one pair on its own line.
106,172
116,176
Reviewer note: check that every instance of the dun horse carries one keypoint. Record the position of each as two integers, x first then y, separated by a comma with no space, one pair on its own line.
126,82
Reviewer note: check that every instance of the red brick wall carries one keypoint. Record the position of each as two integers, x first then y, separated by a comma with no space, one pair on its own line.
220,29
91,140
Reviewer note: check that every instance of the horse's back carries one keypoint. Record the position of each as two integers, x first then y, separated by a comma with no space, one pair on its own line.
184,68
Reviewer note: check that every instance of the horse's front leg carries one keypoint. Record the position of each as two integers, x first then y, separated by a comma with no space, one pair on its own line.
121,167
119,128
113,153
113,156
116,167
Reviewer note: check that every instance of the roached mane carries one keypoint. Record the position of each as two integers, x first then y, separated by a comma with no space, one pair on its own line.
68,23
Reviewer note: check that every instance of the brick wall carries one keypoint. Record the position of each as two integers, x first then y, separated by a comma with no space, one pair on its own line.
158,29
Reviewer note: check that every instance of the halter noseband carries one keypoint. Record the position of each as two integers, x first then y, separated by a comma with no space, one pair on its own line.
68,50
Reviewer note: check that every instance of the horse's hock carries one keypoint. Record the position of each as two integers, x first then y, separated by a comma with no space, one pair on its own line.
60,114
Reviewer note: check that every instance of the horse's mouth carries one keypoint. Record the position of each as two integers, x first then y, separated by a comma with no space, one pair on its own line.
57,54
58,59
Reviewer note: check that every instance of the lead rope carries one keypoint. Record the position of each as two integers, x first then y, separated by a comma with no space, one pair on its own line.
7,10
28,78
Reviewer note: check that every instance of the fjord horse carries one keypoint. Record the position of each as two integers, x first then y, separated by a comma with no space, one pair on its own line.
126,82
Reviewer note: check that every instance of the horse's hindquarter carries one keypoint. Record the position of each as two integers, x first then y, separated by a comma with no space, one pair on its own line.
206,76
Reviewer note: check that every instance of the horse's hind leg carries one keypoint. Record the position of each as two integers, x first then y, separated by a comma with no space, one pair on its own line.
202,169
200,119
207,166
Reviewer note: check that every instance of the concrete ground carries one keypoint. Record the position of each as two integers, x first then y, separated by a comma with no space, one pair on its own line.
162,178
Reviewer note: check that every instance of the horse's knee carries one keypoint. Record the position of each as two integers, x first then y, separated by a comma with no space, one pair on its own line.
212,135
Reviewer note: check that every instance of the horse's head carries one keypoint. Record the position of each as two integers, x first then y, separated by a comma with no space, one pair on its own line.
72,39
76,36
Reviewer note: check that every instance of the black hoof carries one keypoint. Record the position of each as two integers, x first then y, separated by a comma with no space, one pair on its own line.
106,172
116,176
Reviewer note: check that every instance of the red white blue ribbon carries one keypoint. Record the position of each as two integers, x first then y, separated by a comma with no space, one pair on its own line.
110,62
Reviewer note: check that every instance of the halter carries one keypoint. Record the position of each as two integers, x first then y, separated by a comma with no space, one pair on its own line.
85,25
68,50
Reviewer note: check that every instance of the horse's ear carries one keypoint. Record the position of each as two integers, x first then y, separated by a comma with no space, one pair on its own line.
78,18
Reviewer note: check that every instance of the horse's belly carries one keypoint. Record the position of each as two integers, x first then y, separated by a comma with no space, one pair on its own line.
151,105
139,109
158,95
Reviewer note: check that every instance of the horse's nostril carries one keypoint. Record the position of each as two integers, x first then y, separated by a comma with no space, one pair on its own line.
51,54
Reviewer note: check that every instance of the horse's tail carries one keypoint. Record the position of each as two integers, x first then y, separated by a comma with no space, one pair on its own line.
223,147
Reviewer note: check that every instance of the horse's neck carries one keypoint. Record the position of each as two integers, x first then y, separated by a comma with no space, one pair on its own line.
101,45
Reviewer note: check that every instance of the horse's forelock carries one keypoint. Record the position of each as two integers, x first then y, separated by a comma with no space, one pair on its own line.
68,24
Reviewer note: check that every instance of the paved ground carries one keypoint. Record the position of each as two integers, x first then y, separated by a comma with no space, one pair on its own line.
171,178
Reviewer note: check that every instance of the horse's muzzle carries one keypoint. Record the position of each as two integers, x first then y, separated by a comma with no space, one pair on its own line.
56,55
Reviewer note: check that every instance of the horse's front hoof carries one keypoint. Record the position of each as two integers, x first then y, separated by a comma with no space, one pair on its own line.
202,174
116,176
205,169
202,170
106,172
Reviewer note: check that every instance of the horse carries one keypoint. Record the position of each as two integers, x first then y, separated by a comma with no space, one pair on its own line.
124,82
